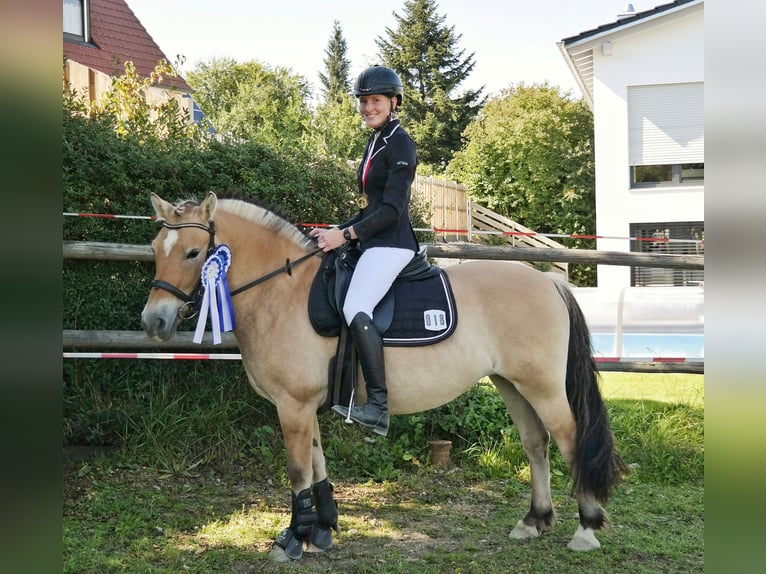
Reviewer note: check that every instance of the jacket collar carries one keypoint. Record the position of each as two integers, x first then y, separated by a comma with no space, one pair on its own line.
383,134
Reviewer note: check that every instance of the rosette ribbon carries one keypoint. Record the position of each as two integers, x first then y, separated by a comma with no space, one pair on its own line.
216,299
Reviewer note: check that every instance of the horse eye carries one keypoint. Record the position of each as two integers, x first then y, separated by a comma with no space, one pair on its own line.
193,254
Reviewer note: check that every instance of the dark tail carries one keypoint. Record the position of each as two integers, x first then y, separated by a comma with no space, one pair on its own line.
598,467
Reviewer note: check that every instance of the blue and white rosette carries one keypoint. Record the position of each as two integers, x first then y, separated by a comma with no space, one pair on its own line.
216,299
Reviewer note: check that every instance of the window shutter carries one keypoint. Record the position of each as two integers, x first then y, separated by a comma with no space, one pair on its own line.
666,124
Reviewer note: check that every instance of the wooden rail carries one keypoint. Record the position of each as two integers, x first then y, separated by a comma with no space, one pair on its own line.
129,252
104,339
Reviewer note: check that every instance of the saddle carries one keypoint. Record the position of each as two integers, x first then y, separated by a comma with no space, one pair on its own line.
419,309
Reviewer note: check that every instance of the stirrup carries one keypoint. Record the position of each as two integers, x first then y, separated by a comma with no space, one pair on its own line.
343,411
346,411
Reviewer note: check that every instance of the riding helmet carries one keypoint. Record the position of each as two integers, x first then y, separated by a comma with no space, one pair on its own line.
379,80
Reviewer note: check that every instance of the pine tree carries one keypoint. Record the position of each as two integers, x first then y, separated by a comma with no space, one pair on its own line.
424,52
337,131
335,84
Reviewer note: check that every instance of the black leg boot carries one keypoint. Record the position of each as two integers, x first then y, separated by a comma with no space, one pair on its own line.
369,345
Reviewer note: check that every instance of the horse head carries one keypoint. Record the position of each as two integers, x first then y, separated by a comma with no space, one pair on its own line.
180,249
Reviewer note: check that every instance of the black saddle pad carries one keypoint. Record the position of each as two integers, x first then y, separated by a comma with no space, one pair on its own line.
424,310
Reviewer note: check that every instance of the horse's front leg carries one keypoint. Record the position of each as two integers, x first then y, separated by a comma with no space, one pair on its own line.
324,502
313,510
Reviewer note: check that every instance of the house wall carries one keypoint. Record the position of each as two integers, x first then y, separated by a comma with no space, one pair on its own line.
85,80
666,51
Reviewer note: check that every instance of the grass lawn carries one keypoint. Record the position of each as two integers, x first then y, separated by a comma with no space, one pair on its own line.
122,517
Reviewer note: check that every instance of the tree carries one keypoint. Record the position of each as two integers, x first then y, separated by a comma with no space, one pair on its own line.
252,101
424,52
337,131
335,84
131,112
529,156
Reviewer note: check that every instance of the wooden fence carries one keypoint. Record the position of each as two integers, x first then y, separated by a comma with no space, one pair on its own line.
455,217
448,204
138,340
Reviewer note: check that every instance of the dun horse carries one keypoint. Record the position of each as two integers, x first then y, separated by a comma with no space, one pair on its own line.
517,326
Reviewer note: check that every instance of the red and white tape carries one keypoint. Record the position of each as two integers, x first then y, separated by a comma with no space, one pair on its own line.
237,357
164,356
446,230
649,359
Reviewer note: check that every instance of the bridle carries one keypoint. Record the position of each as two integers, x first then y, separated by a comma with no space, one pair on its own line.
192,301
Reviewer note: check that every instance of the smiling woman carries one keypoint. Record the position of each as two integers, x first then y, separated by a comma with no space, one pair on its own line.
382,231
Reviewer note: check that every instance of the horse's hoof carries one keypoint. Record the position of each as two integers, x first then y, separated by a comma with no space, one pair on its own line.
584,540
523,531
321,540
290,546
278,554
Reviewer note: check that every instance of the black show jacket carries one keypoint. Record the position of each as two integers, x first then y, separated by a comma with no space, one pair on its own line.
385,222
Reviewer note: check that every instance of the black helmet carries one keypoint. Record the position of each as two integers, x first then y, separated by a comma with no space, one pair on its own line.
379,80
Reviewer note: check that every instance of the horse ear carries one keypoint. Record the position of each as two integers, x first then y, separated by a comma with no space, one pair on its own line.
161,207
209,204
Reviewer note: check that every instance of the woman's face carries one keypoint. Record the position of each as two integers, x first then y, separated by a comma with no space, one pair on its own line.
375,109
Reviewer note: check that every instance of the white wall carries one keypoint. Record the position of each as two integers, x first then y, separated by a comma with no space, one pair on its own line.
666,51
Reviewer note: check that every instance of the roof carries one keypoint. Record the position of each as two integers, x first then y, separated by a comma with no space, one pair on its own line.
626,21
117,36
577,50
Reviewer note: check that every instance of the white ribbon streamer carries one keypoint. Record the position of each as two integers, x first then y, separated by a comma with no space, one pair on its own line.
216,299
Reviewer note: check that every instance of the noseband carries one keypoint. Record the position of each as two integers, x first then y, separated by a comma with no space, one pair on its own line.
191,305
191,302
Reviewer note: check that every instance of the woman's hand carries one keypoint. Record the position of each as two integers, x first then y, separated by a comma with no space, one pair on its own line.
328,239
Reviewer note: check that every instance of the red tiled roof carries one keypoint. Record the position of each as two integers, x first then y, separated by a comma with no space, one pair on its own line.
117,36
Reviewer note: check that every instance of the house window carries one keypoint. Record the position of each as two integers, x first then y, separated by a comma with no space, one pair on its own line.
666,134
76,20
678,238
667,174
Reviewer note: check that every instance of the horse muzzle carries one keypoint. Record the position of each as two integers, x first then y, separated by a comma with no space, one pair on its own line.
161,320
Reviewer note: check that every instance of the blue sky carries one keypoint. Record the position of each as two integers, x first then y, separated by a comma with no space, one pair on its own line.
513,41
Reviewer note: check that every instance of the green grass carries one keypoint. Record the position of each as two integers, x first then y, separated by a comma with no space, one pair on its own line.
122,515
666,388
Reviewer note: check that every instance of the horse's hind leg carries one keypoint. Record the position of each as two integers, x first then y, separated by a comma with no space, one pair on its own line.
555,414
535,440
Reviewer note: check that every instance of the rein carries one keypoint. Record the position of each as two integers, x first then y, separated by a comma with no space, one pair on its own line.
286,268
191,302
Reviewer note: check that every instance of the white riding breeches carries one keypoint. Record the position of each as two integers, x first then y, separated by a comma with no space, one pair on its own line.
375,272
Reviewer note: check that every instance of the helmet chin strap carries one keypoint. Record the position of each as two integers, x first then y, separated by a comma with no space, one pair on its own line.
391,114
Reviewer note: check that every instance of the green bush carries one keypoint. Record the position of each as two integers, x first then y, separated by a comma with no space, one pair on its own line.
157,411
112,173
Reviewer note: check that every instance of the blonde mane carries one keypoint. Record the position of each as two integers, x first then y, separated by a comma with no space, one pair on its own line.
262,216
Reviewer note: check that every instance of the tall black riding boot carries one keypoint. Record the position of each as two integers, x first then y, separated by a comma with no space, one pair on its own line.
369,346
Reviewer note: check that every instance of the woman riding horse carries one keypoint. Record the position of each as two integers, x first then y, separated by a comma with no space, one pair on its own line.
383,230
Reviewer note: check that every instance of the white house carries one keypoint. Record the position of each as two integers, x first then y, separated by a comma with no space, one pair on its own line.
643,77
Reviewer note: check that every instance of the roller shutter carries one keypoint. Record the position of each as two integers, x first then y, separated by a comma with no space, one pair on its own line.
666,124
